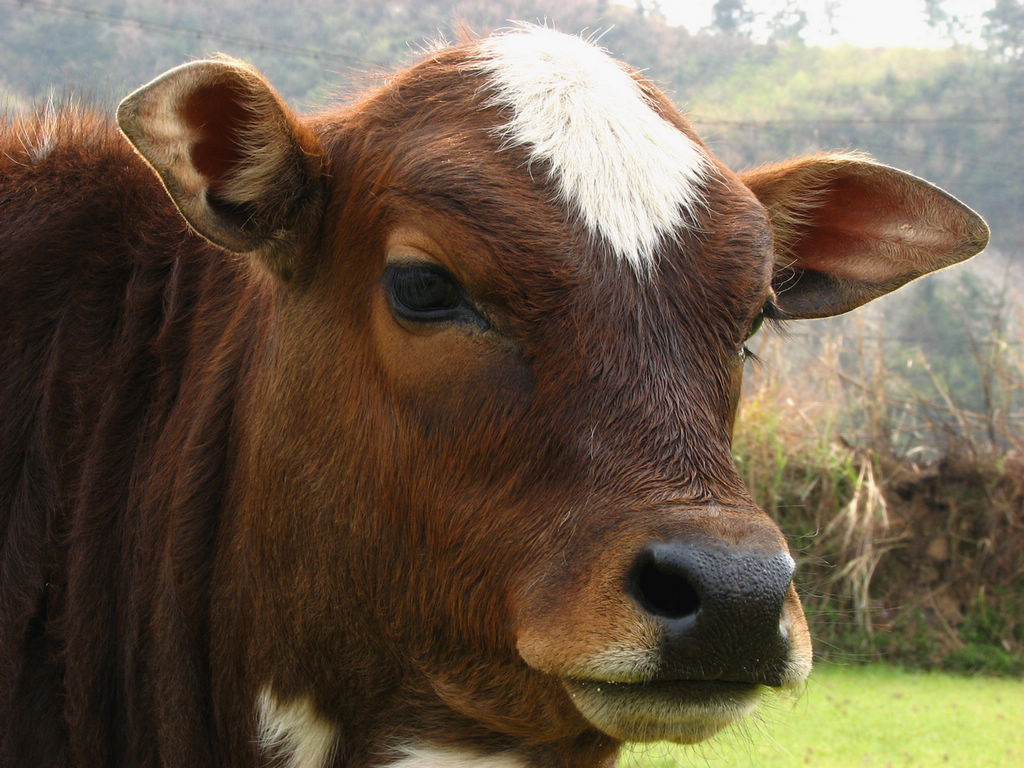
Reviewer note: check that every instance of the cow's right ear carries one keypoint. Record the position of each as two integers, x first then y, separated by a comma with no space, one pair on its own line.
244,173
848,230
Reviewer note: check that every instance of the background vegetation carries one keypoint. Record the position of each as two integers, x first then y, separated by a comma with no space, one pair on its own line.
890,444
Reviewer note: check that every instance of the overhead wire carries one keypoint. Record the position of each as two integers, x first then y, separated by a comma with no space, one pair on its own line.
740,123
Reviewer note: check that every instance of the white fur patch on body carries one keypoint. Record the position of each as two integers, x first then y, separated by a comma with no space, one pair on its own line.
293,734
426,756
631,176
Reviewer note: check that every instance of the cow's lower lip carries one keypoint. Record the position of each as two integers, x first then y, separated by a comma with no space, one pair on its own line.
683,711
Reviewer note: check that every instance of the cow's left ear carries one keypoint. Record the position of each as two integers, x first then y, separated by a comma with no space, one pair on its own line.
848,230
241,169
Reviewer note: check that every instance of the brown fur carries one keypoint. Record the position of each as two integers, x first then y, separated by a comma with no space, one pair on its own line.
121,351
215,478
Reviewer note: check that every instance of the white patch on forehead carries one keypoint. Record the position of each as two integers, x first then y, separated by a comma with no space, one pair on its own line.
426,756
293,734
632,176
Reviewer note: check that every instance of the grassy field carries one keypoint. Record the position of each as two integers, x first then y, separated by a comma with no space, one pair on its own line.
869,716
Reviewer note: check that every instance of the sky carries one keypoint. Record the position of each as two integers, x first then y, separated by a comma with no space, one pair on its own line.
859,22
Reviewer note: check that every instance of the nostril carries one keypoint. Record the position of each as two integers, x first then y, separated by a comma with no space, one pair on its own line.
662,588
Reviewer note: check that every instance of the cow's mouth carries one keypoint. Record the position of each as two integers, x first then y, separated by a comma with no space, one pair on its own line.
683,711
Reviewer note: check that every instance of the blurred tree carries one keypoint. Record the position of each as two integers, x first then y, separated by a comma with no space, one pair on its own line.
831,8
732,17
788,24
1004,29
943,21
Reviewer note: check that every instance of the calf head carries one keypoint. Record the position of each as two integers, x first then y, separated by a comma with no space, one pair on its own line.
488,500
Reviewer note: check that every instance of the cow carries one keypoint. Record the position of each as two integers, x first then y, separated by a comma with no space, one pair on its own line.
399,434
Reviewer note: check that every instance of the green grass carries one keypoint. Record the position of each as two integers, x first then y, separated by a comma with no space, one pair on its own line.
864,717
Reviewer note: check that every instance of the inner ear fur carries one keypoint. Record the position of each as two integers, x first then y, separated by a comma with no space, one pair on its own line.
243,171
848,229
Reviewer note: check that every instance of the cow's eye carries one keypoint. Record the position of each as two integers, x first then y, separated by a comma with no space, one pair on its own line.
755,326
423,290
426,293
